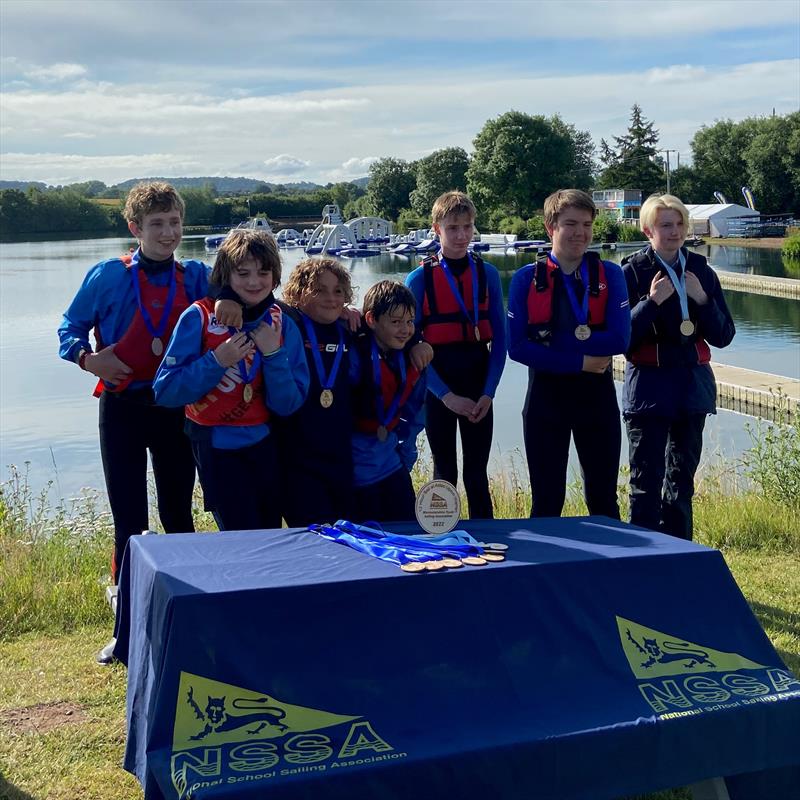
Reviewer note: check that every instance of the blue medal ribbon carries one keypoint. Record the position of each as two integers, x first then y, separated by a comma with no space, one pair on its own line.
156,331
473,318
325,381
248,376
581,312
385,416
678,283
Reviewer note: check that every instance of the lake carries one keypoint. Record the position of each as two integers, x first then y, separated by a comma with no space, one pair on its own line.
49,418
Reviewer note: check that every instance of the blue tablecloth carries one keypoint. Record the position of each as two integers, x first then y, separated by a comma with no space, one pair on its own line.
598,660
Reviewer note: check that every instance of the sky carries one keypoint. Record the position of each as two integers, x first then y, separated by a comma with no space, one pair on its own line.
317,91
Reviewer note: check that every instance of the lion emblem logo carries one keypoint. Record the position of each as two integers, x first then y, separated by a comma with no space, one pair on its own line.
670,651
216,718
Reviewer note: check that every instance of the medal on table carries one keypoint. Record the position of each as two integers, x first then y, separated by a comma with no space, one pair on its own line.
475,314
157,331
686,326
581,312
386,415
326,381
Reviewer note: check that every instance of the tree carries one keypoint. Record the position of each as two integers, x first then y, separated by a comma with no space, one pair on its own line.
441,171
583,170
391,181
691,186
199,205
518,160
632,162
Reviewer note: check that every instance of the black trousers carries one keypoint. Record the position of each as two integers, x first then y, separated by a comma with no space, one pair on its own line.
476,445
584,407
312,496
664,455
130,425
389,500
241,487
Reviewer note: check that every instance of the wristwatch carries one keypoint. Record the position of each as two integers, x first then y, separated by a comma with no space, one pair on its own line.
81,359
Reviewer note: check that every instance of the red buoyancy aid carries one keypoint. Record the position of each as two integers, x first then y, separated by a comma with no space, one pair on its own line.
365,419
134,347
541,296
443,319
225,403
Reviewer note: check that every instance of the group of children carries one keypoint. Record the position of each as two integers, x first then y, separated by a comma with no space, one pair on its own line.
303,410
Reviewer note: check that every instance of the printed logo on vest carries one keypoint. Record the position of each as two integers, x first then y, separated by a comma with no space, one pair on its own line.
680,678
225,735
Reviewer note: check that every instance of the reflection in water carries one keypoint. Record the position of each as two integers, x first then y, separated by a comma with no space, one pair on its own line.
50,418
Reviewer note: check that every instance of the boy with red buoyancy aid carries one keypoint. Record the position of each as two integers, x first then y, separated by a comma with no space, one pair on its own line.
232,381
567,316
677,310
133,304
387,395
460,312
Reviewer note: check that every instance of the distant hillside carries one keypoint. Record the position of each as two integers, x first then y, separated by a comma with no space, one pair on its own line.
361,182
22,185
223,185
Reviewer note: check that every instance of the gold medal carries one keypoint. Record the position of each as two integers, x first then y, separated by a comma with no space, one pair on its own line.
326,398
477,333
413,566
473,561
687,327
382,433
493,557
583,332
433,566
451,563
157,346
248,392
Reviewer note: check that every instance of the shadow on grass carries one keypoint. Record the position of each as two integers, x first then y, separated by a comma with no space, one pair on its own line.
10,792
780,619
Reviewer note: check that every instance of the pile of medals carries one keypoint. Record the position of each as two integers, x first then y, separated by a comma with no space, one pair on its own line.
414,553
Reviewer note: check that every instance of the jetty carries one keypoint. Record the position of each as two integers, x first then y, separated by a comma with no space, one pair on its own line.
747,391
758,284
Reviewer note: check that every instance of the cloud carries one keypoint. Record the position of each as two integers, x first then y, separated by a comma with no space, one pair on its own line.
285,164
57,72
80,135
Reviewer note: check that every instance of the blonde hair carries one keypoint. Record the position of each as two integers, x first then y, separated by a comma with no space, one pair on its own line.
304,280
150,196
663,202
452,203
237,246
566,198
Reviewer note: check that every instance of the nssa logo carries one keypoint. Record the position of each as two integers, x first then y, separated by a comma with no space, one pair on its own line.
675,675
226,735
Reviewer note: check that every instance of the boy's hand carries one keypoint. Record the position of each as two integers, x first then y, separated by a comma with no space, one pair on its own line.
268,337
597,364
421,355
107,366
233,350
462,406
352,318
661,287
229,313
695,289
481,408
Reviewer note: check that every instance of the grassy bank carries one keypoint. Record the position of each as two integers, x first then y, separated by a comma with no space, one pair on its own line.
769,243
62,717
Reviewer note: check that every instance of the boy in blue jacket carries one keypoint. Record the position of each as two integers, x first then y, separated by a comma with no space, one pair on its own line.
388,412
567,316
231,382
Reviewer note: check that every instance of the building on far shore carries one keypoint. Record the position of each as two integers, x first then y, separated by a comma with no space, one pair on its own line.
625,204
718,219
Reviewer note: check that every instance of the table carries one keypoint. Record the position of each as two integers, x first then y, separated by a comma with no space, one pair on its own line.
599,660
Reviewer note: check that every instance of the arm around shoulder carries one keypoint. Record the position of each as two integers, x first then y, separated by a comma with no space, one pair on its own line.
286,376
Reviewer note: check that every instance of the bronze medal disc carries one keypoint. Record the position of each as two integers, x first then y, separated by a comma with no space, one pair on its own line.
583,332
687,327
477,334
248,392
473,561
451,563
493,557
382,433
433,566
157,346
326,398
413,566
496,546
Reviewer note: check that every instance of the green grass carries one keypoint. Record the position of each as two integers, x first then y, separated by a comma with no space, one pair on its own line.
53,618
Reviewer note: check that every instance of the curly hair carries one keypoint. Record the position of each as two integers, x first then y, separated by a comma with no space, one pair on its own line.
304,280
150,196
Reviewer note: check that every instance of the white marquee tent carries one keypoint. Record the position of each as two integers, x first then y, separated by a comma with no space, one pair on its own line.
712,219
